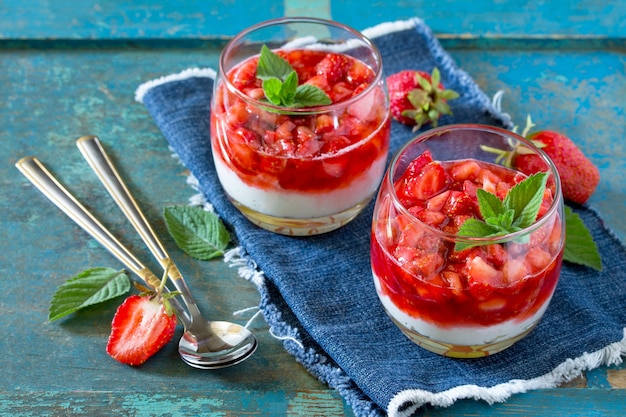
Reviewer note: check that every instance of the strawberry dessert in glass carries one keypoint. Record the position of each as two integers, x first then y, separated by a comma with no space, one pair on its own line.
466,252
300,124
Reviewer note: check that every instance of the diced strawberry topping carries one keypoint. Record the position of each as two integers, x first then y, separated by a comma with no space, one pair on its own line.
477,286
334,67
248,138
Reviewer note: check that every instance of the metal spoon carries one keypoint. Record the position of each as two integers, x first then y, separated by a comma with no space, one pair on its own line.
204,345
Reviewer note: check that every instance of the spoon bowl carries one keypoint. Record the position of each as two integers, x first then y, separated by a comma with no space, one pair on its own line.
228,344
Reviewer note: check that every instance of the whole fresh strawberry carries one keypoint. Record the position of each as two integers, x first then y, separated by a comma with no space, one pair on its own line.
579,176
418,98
142,325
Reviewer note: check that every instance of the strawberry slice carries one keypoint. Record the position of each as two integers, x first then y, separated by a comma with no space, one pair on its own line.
140,328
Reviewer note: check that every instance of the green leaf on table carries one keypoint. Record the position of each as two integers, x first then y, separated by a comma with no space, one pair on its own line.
579,245
92,286
197,232
518,211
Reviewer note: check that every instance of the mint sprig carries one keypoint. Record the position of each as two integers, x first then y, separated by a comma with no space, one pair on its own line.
518,211
280,83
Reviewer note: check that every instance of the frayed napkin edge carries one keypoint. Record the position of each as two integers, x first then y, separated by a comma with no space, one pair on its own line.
143,89
405,403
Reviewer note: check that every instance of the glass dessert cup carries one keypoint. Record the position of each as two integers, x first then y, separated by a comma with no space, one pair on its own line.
462,301
301,170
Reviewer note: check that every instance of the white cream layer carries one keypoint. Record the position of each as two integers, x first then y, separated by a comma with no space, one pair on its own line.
301,205
467,336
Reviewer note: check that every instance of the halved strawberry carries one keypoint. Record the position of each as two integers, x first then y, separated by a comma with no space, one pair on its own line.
418,98
141,326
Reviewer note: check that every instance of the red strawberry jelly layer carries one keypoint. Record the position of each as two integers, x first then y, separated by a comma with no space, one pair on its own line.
481,286
306,153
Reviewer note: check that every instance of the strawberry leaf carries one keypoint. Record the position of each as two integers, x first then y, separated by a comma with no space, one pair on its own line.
92,286
199,233
579,245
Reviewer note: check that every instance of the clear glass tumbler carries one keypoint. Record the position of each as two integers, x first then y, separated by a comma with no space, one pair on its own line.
456,295
290,166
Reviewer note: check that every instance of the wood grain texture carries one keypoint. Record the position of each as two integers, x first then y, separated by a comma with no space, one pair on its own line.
567,70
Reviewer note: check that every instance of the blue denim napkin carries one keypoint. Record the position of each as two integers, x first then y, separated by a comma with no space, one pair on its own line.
318,292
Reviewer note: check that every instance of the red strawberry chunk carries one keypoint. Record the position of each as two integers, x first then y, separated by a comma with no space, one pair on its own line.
466,170
140,328
334,67
482,277
432,180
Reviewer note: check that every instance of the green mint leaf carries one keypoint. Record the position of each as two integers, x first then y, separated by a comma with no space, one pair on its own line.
518,210
92,286
525,199
309,95
503,222
288,89
199,233
272,65
280,83
475,228
272,87
579,245
489,204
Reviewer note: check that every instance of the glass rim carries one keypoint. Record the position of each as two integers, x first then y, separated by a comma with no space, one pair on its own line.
481,241
300,111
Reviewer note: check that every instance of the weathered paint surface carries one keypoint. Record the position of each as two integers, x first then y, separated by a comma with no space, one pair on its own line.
53,92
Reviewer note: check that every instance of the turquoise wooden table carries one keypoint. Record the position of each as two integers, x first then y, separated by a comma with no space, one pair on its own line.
71,68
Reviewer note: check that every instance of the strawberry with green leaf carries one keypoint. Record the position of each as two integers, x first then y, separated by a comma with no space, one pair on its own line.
418,98
579,176
142,325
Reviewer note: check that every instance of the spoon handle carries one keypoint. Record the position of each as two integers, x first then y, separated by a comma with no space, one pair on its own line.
45,182
101,164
